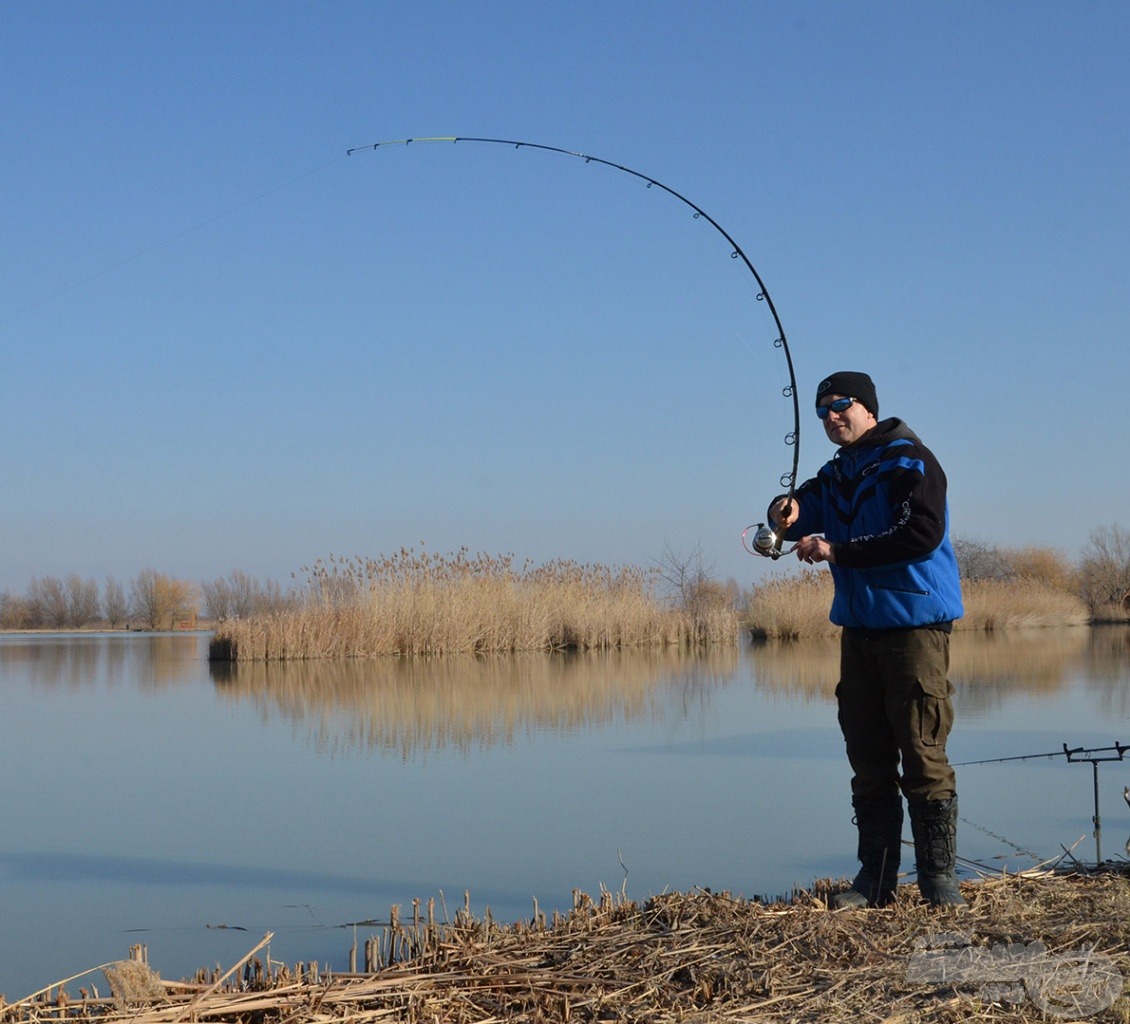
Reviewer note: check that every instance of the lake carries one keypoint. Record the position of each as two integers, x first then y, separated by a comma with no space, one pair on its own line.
153,798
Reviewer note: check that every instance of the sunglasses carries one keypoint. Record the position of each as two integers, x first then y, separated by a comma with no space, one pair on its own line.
839,405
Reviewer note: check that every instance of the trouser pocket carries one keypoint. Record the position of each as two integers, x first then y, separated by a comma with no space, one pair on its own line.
930,712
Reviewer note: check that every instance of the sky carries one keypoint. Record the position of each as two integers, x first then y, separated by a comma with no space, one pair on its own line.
227,344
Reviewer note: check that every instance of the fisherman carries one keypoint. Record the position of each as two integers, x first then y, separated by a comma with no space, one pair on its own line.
880,505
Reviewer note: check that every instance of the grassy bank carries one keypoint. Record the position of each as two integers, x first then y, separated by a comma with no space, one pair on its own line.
1027,948
422,604
795,606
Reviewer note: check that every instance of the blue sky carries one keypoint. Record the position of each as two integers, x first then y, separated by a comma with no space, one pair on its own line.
227,345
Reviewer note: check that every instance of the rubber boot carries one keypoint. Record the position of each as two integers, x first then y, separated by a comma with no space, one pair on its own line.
934,824
880,845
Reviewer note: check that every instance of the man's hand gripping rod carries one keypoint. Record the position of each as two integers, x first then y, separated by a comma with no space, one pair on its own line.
766,540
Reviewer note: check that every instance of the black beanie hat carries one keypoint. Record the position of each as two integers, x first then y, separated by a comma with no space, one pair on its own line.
852,384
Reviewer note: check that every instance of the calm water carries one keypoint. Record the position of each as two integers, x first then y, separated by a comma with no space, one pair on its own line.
150,797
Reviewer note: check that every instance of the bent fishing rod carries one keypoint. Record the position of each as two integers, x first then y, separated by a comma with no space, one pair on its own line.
765,540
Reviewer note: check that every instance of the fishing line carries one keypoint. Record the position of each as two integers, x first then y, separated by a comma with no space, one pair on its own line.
765,540
1094,756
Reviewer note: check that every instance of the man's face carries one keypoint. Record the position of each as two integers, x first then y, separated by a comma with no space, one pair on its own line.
850,424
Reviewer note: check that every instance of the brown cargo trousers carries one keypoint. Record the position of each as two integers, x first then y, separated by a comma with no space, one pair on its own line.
894,707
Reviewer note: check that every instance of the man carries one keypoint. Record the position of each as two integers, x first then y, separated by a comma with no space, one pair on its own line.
880,504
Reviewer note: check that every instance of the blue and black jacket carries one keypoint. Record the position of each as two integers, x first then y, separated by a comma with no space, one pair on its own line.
881,503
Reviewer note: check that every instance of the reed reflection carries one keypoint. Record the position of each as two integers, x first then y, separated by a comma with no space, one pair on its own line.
808,669
418,705
56,661
1110,660
987,669
984,668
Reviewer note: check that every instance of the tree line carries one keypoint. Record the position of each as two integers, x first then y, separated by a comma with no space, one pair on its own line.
151,600
1101,577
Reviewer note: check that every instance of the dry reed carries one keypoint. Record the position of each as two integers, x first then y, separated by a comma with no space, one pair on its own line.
1017,604
1111,611
794,606
416,603
1034,945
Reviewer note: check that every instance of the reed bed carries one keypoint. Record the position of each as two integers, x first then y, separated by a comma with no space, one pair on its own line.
788,607
679,957
796,605
1017,604
416,603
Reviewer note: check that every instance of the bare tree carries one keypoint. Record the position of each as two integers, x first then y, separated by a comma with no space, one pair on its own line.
216,599
692,584
159,600
47,602
1045,566
684,575
239,596
979,561
1105,568
15,612
144,601
114,603
82,600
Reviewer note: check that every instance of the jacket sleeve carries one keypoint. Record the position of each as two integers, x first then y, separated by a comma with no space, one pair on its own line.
916,489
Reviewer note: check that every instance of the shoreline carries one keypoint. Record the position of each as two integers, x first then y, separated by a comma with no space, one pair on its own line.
1031,945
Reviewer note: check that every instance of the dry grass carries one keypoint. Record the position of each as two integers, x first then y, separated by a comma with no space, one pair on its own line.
1029,941
1112,611
1014,604
422,604
794,606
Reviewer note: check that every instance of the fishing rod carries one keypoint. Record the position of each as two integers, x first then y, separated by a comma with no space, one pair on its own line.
1094,756
1071,753
765,540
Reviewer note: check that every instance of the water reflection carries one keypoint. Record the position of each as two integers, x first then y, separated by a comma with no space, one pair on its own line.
73,661
509,776
808,669
984,668
412,706
1109,653
418,705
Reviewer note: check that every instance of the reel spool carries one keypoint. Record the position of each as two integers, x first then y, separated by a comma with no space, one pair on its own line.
764,542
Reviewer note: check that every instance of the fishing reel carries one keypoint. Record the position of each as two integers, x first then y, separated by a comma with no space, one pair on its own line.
765,541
